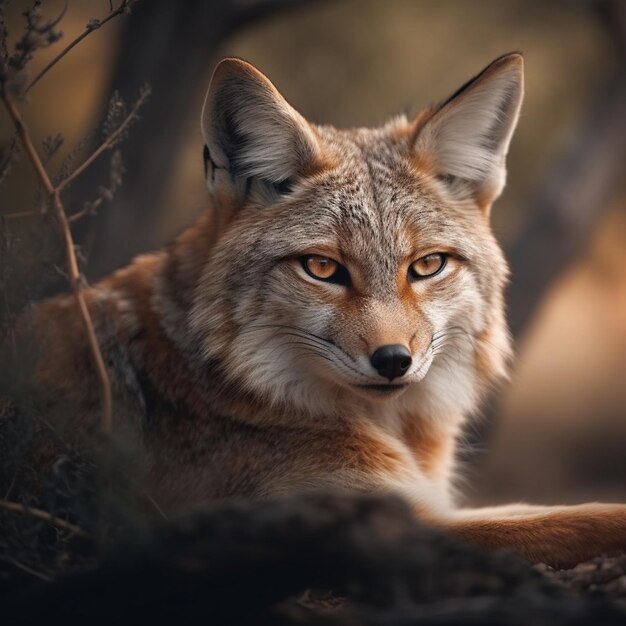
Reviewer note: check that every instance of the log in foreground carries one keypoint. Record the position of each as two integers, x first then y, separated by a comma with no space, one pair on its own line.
251,563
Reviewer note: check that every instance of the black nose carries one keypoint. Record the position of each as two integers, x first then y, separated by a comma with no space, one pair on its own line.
391,361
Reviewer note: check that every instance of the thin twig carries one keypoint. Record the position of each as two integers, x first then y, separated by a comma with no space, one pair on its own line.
72,263
91,208
108,143
17,507
91,26
19,215
28,570
155,504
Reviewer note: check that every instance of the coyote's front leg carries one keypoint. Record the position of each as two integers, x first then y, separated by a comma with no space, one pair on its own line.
559,536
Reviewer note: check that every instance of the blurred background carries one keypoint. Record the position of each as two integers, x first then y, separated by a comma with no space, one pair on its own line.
557,431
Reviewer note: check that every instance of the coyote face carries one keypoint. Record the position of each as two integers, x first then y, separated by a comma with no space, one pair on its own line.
356,266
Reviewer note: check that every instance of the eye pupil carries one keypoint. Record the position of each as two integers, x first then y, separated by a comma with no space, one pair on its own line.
321,267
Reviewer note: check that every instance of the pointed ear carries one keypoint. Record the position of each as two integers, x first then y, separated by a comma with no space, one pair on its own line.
467,138
250,129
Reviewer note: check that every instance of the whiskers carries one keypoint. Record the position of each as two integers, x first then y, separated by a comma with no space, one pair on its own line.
453,336
300,346
451,346
297,338
301,341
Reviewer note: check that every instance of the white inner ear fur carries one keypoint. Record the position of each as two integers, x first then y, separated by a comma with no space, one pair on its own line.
250,129
469,136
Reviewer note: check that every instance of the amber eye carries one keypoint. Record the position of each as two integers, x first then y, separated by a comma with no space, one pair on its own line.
428,266
323,268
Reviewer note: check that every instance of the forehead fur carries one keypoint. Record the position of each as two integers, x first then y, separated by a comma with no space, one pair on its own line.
373,205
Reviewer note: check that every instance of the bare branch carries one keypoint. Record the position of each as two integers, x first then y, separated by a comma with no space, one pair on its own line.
72,263
16,507
37,34
90,208
105,192
109,143
19,215
28,570
91,26
51,146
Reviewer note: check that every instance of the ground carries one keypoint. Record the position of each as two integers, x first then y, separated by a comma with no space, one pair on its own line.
315,559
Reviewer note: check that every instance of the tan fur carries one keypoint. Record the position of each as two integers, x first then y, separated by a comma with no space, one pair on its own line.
237,374
561,536
432,447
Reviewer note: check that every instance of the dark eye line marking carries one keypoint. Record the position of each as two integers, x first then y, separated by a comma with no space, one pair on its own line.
284,187
340,276
414,276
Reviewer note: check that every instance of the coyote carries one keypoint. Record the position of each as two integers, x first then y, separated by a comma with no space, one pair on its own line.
329,323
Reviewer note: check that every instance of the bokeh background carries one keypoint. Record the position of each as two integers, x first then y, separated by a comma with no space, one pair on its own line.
557,431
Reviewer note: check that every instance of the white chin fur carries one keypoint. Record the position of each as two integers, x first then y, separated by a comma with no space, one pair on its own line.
315,386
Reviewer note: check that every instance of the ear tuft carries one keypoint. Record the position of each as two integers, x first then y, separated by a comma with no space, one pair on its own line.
250,129
468,135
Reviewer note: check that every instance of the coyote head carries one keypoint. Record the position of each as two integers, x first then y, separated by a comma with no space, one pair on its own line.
356,265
